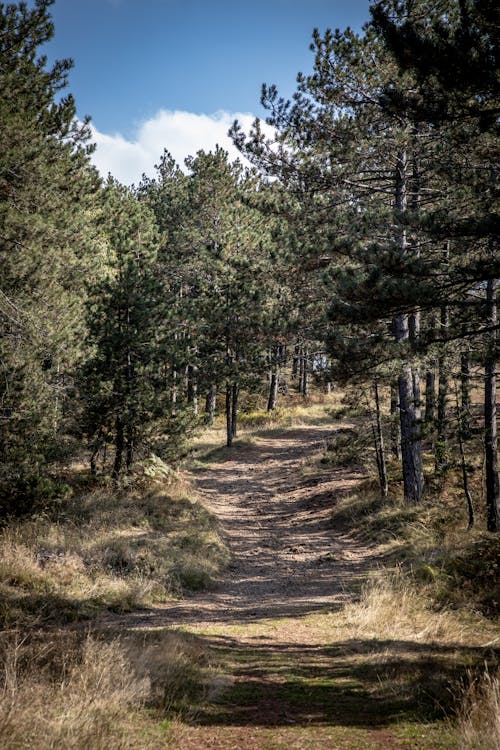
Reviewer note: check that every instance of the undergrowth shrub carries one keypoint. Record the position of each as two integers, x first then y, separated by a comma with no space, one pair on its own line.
346,447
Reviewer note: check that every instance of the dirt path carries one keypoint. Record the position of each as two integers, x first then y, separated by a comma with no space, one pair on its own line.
290,676
287,560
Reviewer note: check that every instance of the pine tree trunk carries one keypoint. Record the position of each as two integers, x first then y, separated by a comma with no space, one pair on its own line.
411,447
273,389
395,422
305,384
295,361
229,420
234,409
430,399
441,445
408,381
490,416
465,479
465,388
119,445
174,393
430,388
192,388
300,384
379,446
210,404
129,456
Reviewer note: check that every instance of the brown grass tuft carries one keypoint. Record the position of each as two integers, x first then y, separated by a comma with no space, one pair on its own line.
478,722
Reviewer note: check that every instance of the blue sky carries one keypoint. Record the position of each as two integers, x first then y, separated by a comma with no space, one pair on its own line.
174,73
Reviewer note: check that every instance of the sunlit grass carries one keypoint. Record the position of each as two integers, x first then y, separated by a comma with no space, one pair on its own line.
109,549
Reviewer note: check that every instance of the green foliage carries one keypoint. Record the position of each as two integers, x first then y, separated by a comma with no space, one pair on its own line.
46,197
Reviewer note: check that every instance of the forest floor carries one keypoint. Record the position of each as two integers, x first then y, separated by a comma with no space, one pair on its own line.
287,667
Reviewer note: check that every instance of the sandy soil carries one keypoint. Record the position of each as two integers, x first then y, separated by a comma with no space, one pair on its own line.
287,560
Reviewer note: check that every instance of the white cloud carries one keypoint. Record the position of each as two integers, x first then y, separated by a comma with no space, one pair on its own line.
181,133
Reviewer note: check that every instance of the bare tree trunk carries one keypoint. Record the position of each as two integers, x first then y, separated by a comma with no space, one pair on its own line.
379,445
430,398
301,370
465,387
119,445
295,361
465,479
430,388
273,390
174,393
441,445
409,409
192,388
229,421
234,409
490,416
395,426
305,383
210,404
129,457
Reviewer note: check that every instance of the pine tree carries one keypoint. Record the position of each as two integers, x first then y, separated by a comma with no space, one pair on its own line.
46,201
120,384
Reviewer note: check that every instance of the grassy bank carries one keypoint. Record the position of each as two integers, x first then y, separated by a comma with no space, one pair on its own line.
108,548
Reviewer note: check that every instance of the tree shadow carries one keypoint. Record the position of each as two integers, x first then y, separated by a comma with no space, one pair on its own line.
354,683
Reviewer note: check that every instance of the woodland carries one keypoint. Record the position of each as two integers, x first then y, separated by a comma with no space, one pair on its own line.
327,307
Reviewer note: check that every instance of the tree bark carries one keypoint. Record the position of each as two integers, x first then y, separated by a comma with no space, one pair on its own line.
273,391
295,361
129,455
119,445
465,479
430,399
234,409
379,445
441,445
465,387
301,370
229,421
210,404
490,416
305,383
192,388
395,426
408,381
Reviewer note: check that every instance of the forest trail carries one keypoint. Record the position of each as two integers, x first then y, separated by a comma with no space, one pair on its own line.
268,623
286,559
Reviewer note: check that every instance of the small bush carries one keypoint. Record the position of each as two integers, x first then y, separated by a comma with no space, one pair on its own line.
347,447
473,574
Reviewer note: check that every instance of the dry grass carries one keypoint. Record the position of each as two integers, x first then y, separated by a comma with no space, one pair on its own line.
103,549
85,692
452,566
478,724
86,705
391,608
108,550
